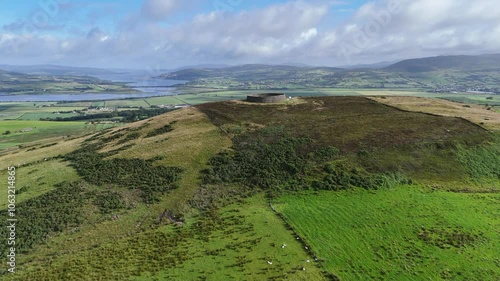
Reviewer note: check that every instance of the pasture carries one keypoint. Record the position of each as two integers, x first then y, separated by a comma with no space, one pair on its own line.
403,233
17,132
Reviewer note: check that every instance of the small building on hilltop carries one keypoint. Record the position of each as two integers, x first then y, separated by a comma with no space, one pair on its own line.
267,98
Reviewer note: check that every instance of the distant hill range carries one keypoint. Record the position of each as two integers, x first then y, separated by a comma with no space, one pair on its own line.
47,69
463,63
246,72
442,74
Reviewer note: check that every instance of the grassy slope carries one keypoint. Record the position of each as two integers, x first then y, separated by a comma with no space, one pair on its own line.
247,236
24,110
375,235
241,250
41,130
40,178
189,146
192,142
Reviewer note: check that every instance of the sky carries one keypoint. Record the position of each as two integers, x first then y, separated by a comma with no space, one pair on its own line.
166,34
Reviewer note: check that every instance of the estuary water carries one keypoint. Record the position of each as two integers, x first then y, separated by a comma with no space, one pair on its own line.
148,87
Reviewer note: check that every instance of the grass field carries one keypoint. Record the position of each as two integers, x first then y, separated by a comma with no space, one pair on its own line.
405,233
38,116
242,251
238,246
29,110
39,130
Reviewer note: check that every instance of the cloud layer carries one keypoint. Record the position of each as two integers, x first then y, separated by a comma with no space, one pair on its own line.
298,31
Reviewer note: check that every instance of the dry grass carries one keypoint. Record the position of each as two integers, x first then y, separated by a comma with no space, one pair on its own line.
189,146
34,152
476,114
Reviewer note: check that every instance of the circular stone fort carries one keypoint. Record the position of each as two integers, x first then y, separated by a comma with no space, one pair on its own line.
267,98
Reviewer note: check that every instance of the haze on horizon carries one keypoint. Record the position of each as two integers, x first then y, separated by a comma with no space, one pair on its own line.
165,34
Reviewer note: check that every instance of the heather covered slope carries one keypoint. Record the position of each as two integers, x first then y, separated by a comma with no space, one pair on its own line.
370,135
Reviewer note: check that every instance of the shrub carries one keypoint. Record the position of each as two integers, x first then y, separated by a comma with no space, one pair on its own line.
160,131
271,160
109,201
131,173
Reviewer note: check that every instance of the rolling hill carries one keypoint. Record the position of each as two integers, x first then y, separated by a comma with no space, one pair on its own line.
457,63
246,72
442,74
47,69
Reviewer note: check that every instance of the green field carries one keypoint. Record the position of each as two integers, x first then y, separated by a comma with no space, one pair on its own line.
39,178
39,130
15,83
34,111
235,243
38,116
404,233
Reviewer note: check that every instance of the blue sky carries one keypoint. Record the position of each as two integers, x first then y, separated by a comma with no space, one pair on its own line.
173,33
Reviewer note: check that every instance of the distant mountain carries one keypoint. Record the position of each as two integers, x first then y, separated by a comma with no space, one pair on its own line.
247,72
462,63
299,64
377,65
48,69
9,74
203,66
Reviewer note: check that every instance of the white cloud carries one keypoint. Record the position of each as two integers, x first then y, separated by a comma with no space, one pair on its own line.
290,31
259,33
422,28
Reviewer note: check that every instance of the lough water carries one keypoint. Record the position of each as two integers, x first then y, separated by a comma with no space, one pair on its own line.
148,87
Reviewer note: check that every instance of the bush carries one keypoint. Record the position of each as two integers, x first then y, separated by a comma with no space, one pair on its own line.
109,201
271,160
51,212
259,164
160,131
131,173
